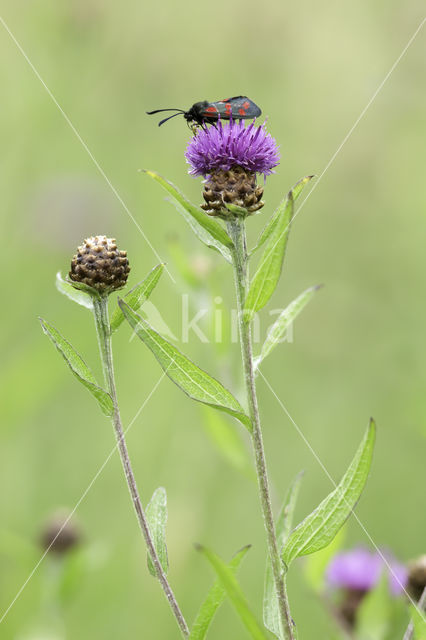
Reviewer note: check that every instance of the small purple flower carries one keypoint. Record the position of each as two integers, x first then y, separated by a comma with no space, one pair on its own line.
231,144
361,570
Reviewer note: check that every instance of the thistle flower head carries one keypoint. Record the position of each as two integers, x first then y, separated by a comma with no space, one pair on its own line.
229,155
360,569
417,577
60,533
100,265
231,144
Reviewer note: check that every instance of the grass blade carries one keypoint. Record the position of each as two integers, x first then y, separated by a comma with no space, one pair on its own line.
214,599
195,382
235,594
319,528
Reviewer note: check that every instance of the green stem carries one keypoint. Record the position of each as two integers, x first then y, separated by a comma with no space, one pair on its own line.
236,228
100,307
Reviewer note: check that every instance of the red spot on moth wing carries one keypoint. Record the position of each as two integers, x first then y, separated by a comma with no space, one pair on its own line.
242,112
246,104
211,110
228,108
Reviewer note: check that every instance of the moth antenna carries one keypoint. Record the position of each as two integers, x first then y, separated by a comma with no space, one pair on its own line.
169,118
149,113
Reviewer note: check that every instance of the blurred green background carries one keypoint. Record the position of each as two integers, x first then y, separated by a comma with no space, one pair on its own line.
359,348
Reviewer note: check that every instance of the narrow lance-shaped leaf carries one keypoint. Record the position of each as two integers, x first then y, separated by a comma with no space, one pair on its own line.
76,295
195,382
268,272
235,594
79,367
270,226
214,599
419,623
205,236
156,515
271,612
281,324
201,222
138,295
319,528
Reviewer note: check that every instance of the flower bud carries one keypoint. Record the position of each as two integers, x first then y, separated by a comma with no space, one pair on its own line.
417,577
100,265
60,534
236,186
229,156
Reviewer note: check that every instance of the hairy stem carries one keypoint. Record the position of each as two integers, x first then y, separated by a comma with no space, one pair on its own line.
100,306
236,228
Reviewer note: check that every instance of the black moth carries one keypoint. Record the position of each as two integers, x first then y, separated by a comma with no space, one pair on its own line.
204,112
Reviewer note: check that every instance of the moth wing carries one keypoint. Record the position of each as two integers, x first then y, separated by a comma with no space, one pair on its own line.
238,107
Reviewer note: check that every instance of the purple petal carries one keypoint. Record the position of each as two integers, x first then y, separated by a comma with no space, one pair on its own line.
230,144
361,569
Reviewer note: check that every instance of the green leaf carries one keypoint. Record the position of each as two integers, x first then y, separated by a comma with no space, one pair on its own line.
234,208
138,295
271,612
271,225
419,623
76,295
206,228
374,614
156,515
214,599
79,368
205,236
284,320
319,528
235,594
195,382
228,441
317,563
82,286
74,567
268,272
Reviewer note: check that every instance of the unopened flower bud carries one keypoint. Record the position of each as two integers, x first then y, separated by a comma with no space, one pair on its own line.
417,577
60,534
235,186
356,572
100,265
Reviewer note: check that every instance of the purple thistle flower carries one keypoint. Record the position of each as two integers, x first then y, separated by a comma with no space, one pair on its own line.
225,146
361,570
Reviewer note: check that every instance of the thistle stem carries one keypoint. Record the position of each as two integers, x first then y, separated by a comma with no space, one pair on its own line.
236,228
100,310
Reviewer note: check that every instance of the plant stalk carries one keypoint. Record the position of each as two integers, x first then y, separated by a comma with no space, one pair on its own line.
100,310
236,229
